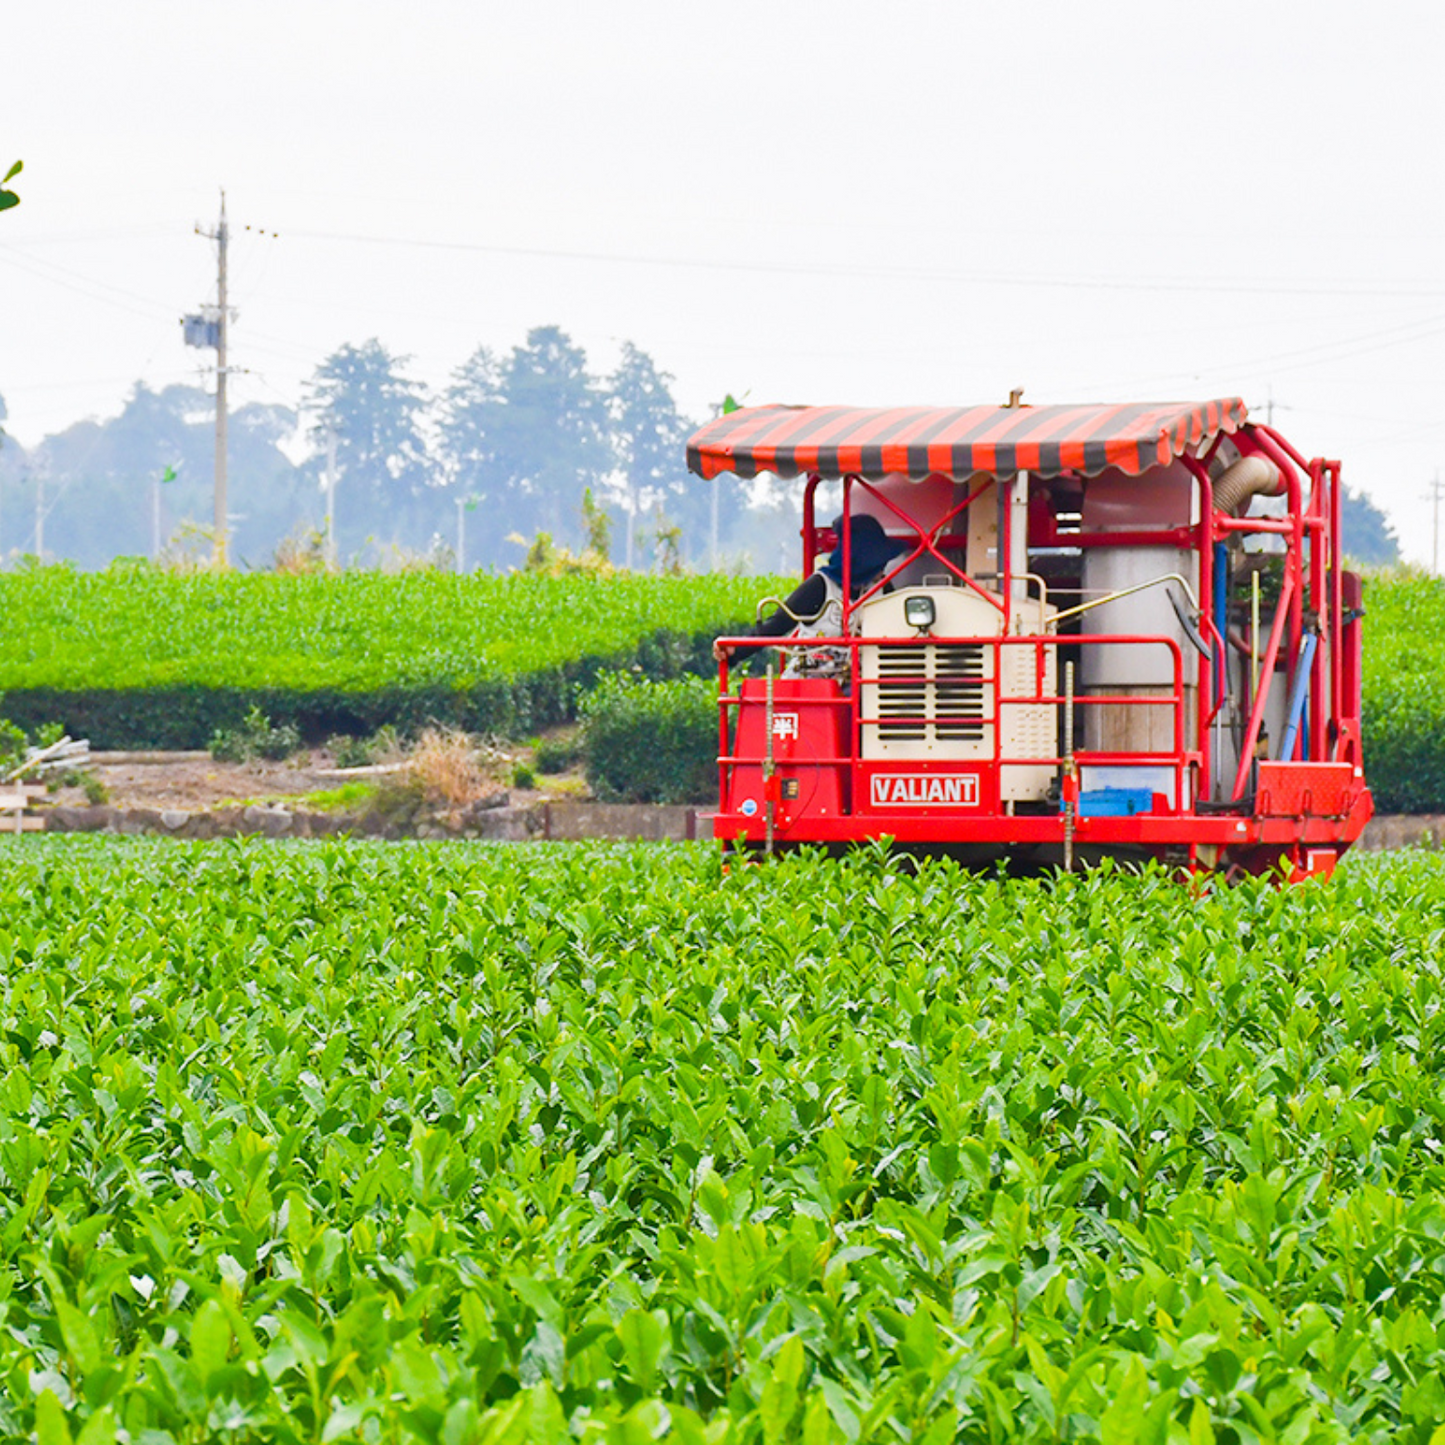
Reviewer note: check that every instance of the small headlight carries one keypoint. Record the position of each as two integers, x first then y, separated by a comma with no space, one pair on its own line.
918,612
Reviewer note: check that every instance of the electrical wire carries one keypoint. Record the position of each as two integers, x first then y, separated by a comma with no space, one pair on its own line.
88,287
1219,287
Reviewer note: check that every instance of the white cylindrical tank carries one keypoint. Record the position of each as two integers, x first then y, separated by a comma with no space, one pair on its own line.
1135,669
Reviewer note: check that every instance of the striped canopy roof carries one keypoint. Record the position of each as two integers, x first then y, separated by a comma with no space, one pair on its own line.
916,441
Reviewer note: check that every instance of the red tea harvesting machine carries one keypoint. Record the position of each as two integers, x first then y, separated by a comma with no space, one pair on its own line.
1102,630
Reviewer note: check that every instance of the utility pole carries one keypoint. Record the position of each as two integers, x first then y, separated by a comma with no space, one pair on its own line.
220,236
461,535
40,515
1435,500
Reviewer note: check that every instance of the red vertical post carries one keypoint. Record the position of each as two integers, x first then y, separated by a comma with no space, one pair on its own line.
1204,543
1322,666
810,526
722,746
1337,641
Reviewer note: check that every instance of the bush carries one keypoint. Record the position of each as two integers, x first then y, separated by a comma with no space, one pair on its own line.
651,742
556,755
254,738
350,752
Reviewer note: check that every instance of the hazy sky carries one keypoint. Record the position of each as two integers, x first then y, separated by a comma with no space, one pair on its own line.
817,203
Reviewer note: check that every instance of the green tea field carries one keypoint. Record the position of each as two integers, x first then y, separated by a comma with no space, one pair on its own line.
461,1144
140,657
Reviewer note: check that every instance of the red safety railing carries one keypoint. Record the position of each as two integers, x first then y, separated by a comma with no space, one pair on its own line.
1181,758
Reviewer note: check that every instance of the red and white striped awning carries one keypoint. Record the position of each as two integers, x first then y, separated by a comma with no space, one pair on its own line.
917,442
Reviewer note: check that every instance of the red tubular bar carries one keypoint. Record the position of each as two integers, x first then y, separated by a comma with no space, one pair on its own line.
1337,606
1180,760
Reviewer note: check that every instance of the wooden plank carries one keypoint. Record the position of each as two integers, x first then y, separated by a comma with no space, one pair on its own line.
112,759
21,824
14,802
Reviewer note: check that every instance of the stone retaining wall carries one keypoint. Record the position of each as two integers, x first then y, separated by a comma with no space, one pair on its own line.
498,821
504,822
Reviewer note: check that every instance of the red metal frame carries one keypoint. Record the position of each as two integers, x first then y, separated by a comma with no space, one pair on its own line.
1322,780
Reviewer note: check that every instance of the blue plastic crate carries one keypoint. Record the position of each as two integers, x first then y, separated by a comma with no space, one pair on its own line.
1115,802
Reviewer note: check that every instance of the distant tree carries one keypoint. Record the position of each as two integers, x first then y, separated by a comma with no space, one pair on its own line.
648,435
1368,535
98,478
468,414
545,436
359,395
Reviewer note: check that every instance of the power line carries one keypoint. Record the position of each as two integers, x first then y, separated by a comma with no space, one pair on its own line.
1224,287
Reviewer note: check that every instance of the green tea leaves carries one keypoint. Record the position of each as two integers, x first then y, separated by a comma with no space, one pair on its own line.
534,1143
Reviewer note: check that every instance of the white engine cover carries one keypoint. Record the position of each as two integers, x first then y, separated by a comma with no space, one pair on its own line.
934,702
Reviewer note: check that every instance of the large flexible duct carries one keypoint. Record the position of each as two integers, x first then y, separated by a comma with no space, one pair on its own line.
1251,476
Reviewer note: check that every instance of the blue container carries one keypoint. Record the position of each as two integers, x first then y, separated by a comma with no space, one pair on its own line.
1115,802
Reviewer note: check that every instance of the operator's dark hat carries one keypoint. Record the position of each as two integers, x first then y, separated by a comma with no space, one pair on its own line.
869,545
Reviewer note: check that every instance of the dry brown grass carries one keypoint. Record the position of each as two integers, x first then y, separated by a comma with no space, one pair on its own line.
451,768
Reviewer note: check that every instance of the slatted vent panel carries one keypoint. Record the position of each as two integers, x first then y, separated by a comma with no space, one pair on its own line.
937,691
902,692
959,698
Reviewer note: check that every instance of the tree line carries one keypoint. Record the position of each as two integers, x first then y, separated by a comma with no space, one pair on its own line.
514,445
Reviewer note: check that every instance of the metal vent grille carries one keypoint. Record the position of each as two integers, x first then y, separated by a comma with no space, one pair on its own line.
928,690
958,693
902,692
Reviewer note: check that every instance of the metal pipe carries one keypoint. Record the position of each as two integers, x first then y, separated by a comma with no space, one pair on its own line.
1129,592
1254,632
1299,690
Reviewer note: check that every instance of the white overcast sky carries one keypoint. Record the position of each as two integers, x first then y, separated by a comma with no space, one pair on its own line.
832,202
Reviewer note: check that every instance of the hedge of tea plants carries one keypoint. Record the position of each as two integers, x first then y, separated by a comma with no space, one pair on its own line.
454,1143
1404,685
134,656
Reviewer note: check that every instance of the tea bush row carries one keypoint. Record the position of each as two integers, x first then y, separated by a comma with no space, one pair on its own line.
137,657
456,1143
1404,686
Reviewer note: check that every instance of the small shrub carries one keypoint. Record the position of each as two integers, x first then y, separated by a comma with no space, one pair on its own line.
352,752
523,777
13,743
96,791
347,751
651,742
254,738
556,755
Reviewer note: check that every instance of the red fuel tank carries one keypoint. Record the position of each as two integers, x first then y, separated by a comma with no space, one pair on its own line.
811,750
